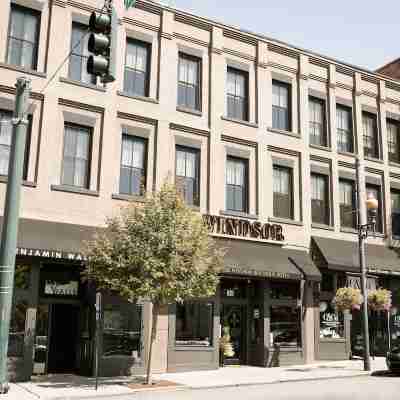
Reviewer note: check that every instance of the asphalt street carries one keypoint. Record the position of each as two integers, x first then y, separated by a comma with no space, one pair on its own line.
383,387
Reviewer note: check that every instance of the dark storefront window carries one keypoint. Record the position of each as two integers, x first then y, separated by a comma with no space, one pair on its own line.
189,81
283,192
237,94
319,199
393,140
281,117
395,200
22,277
317,122
284,290
331,321
187,174
347,203
285,326
17,329
236,184
194,324
344,126
122,330
370,135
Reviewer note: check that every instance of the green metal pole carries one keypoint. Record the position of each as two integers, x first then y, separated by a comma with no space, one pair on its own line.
10,222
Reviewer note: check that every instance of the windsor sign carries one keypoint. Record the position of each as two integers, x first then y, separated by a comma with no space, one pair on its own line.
243,228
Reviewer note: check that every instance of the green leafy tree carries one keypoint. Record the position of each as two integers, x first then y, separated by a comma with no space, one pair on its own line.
159,251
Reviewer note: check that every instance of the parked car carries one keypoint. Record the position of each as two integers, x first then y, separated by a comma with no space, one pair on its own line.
393,359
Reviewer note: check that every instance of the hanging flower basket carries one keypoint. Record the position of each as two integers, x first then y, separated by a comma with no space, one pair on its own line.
380,300
348,299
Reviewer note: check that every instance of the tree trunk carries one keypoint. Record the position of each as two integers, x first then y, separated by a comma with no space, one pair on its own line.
156,309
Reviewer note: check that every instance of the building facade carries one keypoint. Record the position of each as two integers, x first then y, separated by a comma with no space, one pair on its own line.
261,138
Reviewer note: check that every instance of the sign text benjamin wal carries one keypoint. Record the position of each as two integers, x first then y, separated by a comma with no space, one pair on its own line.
243,228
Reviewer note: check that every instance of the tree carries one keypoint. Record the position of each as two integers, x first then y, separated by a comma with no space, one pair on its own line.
159,251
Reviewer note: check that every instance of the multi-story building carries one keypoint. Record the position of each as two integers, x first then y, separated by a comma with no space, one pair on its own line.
262,139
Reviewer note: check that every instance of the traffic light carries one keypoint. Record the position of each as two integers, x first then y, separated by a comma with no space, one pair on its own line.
103,44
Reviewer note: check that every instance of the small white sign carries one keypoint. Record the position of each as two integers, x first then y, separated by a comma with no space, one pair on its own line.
61,289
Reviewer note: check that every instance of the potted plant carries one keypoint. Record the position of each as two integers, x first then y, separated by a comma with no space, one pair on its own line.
225,345
348,298
380,299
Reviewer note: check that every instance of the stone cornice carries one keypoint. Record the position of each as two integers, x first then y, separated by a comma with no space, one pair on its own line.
140,24
137,118
189,129
239,54
59,3
243,142
81,106
190,39
281,150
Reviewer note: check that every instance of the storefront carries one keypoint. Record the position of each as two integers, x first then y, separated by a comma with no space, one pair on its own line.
340,334
53,315
264,301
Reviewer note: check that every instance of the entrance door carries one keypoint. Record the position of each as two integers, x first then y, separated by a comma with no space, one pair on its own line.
63,338
234,323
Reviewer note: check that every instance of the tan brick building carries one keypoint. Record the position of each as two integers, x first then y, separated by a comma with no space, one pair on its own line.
261,136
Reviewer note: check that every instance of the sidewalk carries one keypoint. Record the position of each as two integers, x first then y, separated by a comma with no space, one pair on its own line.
63,387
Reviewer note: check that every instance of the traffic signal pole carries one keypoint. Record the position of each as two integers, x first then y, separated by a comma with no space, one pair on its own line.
10,221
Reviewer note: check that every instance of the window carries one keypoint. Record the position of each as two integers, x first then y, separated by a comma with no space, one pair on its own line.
375,191
331,321
133,165
23,37
122,332
194,324
317,122
283,202
344,122
80,54
187,174
284,290
347,203
6,130
17,329
319,199
395,200
237,94
393,140
137,68
189,82
285,326
236,184
75,169
370,135
281,106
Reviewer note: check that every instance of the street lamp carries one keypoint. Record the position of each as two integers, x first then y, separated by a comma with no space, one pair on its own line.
364,227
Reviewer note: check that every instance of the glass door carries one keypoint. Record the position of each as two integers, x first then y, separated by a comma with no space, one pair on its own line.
41,340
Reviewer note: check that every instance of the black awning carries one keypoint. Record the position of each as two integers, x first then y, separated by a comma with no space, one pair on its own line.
343,255
268,261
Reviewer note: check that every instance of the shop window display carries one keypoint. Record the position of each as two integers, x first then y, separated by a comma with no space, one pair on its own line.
285,326
331,321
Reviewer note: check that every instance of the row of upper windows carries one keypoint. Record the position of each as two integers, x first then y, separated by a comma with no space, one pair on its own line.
23,49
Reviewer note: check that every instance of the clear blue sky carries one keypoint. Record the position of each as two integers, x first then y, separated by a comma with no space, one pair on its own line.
361,32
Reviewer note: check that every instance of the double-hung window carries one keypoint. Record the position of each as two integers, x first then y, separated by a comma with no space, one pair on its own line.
393,138
137,68
281,106
370,135
76,157
237,94
344,125
375,191
236,184
187,174
6,131
133,165
347,203
319,199
317,122
395,201
189,82
283,202
80,54
23,37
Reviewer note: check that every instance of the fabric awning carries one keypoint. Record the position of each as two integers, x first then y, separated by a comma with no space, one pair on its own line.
343,255
265,260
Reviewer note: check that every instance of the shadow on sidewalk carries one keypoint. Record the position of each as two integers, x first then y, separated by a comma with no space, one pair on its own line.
386,374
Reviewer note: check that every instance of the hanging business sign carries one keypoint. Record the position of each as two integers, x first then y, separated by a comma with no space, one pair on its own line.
54,288
243,228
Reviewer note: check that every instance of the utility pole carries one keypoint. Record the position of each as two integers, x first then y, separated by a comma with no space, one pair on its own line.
362,235
10,221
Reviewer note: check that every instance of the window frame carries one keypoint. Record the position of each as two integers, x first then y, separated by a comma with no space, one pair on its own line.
89,160
349,111
199,80
374,151
390,143
352,205
288,87
290,190
38,15
245,98
379,214
148,46
197,154
324,138
245,162
326,200
396,213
